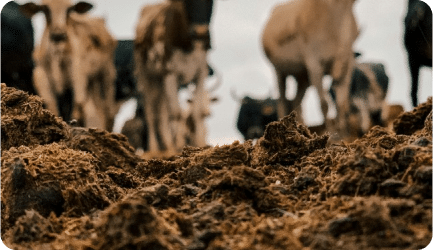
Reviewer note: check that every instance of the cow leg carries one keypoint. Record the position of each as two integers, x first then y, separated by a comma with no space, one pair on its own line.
315,75
150,102
175,113
44,89
164,125
342,89
110,106
148,92
414,72
303,84
198,108
151,122
79,86
282,100
171,91
362,106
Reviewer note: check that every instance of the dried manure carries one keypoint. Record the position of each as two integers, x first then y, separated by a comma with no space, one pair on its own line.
66,187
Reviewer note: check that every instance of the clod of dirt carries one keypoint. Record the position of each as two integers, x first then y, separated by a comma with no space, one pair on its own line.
53,178
428,124
24,122
285,142
132,224
22,193
241,183
34,227
408,122
344,225
110,149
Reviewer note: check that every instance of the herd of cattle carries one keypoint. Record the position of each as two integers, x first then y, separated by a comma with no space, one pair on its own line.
83,73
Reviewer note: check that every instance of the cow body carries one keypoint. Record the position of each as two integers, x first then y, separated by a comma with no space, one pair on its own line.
418,41
124,61
167,58
76,56
368,88
16,48
308,39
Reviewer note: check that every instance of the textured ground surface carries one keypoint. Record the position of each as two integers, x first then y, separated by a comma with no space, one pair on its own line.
76,188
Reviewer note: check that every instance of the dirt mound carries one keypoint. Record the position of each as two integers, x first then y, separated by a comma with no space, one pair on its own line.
409,122
25,122
292,189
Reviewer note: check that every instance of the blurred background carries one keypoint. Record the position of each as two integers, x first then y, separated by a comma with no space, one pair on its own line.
238,57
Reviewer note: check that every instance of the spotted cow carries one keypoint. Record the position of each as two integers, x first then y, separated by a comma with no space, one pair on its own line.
75,58
167,57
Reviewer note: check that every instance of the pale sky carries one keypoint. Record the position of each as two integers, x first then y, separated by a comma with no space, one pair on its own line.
236,28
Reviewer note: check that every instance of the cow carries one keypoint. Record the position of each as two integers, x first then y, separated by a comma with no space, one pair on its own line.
17,41
124,61
418,41
308,39
136,128
75,56
166,57
254,115
368,88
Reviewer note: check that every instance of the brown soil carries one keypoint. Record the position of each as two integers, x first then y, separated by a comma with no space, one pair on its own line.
65,187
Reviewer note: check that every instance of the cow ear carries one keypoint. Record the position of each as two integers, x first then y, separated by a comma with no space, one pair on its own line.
82,7
29,9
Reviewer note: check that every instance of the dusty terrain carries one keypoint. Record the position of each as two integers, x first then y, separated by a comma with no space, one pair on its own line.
65,187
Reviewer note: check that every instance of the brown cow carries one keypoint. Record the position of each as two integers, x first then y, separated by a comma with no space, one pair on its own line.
166,57
76,54
309,39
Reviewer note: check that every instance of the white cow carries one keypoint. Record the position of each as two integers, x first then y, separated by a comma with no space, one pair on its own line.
308,39
76,54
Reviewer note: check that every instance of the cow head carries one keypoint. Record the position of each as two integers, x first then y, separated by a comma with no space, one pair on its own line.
254,115
57,13
208,98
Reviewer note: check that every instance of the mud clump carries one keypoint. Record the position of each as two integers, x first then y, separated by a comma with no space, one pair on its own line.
78,188
409,122
131,223
286,141
109,148
25,122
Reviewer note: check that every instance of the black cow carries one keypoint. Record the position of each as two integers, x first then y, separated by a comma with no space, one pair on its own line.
368,89
254,115
17,43
418,41
125,81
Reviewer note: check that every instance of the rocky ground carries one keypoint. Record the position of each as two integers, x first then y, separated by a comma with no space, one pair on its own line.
66,187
